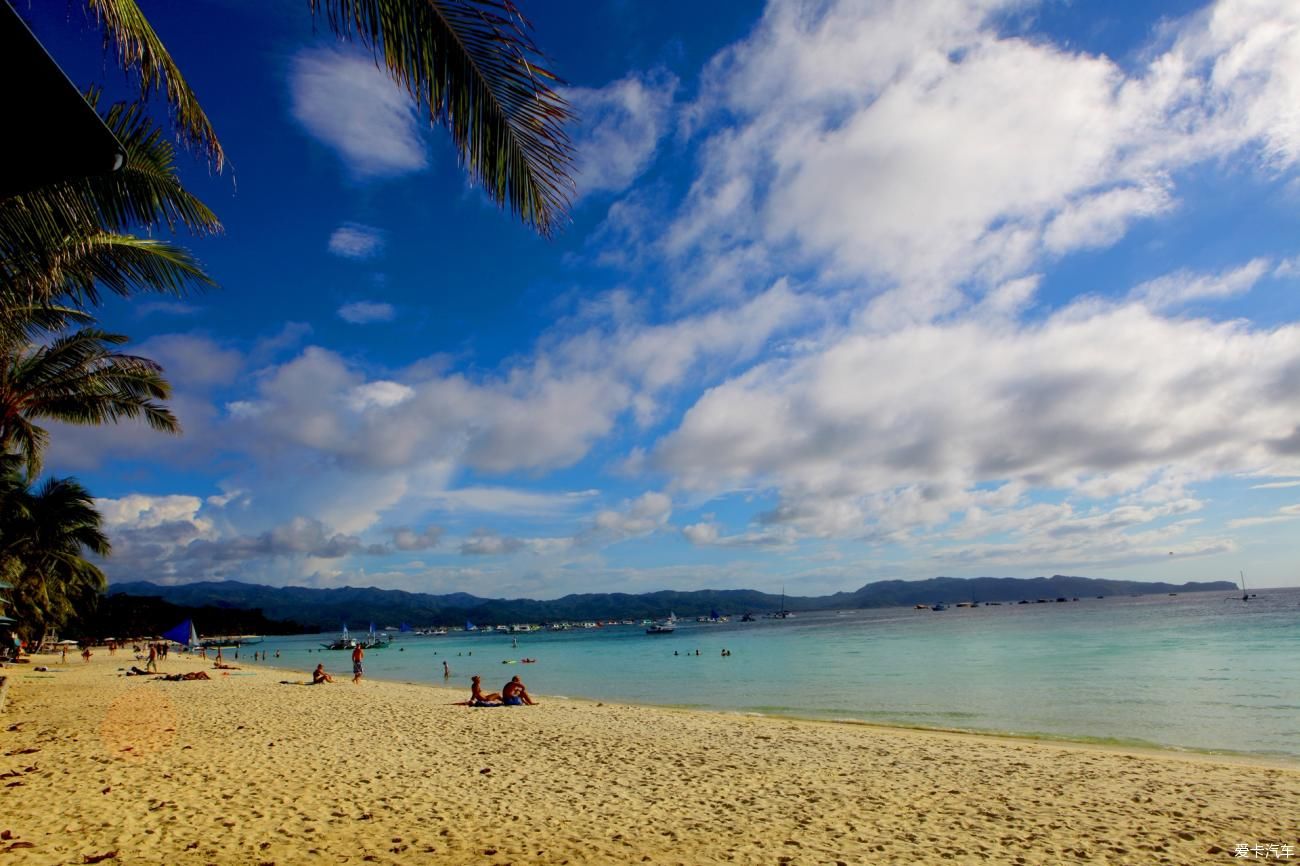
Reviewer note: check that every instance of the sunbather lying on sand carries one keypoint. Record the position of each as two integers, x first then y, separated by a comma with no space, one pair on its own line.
192,675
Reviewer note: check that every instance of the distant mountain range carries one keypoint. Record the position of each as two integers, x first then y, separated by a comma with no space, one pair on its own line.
325,609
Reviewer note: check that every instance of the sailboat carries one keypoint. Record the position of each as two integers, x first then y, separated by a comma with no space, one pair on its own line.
1245,596
374,639
183,634
782,613
344,642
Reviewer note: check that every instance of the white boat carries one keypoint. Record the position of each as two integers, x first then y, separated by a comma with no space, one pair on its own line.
234,640
664,626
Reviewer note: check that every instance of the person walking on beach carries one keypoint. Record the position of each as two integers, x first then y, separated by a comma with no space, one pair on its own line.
357,670
152,664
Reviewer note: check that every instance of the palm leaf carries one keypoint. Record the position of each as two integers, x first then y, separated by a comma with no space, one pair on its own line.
78,267
471,63
139,48
77,378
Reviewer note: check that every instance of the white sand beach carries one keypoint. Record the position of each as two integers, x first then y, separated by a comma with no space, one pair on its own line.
242,769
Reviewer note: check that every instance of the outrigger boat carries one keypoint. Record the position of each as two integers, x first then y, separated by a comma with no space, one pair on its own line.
344,642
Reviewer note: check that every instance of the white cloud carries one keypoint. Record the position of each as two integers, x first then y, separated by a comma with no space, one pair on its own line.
1182,287
356,241
1095,401
140,511
349,103
365,312
647,513
487,543
621,124
1283,515
1275,485
916,144
409,539
379,395
504,501
710,534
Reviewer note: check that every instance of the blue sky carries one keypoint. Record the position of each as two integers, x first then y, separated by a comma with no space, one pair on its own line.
852,291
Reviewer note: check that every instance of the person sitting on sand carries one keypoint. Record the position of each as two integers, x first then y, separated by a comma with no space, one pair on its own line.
476,696
319,676
514,693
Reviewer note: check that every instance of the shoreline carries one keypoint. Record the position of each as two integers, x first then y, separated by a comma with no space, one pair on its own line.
242,769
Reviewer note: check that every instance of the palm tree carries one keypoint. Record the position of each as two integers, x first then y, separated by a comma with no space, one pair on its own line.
470,63
44,536
76,378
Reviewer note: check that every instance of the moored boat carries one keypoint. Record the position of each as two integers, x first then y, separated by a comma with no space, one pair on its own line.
664,626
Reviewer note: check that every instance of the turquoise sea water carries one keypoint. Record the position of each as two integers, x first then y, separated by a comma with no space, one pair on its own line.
1200,671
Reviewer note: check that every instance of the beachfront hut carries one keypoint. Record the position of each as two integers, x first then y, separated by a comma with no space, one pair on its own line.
56,134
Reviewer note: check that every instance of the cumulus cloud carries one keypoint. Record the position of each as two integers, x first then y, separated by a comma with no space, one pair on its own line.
1095,402
648,513
365,312
710,534
485,542
409,539
918,144
621,125
138,511
356,241
349,103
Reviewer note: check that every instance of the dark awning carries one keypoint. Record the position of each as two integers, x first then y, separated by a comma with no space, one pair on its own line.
51,133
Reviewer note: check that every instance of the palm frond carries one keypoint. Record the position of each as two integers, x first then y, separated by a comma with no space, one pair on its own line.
140,49
473,66
77,378
78,267
22,322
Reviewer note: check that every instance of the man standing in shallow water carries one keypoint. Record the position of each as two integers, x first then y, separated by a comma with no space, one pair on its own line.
357,655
